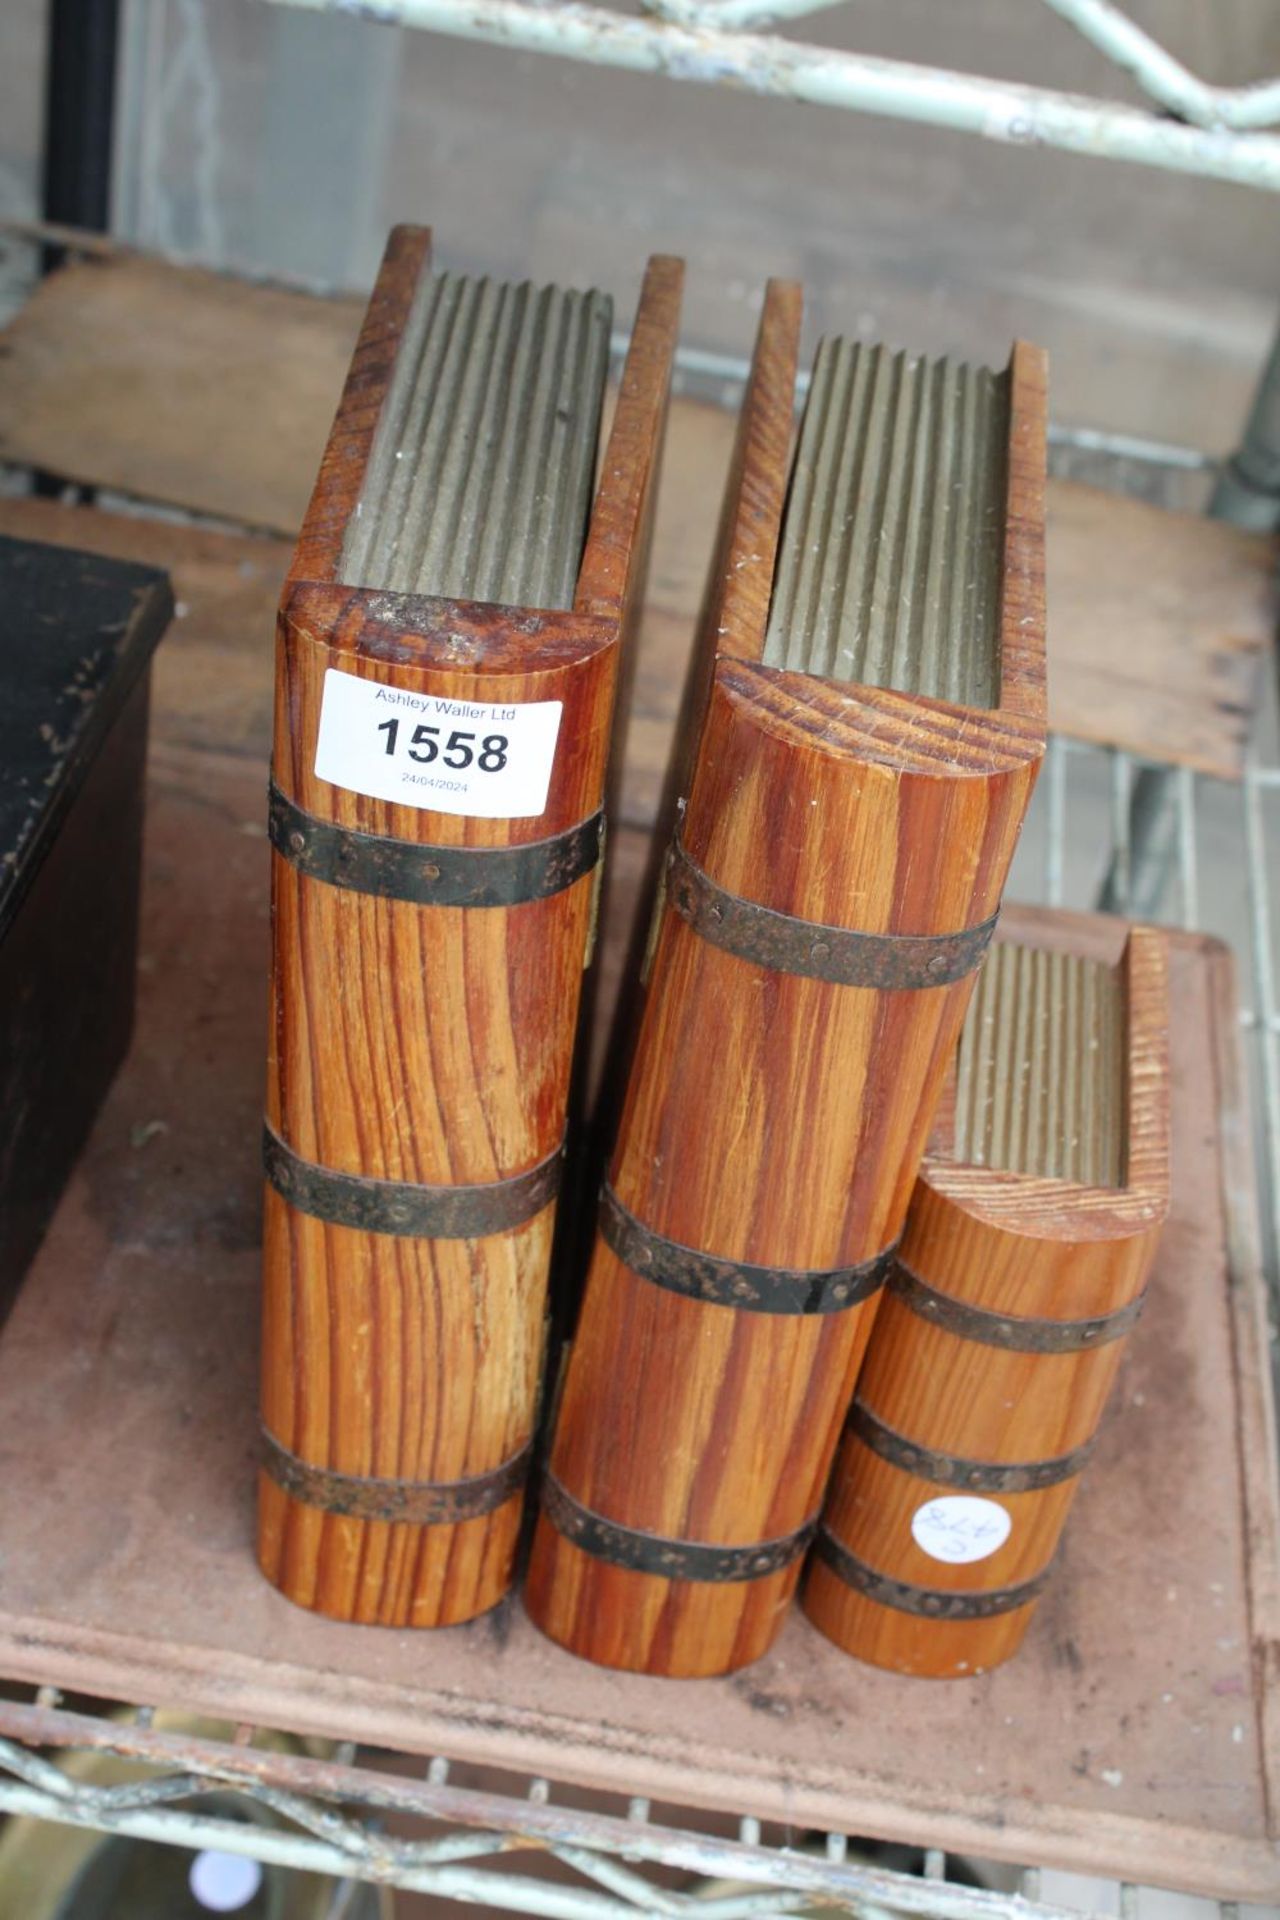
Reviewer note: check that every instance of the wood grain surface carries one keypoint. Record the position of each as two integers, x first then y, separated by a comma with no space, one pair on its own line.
769,1117
1018,1245
1134,1736
428,1045
232,386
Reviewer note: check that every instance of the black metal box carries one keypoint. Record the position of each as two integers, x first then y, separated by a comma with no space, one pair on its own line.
76,637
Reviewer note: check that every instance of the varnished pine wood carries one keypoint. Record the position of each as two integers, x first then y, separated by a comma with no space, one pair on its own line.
431,1045
1014,1244
773,1118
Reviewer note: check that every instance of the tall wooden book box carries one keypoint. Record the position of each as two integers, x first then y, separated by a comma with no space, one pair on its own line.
872,721
449,649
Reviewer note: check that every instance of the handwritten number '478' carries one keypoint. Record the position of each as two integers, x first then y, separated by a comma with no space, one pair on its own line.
458,751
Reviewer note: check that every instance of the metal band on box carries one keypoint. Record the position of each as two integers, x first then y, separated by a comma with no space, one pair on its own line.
735,1283
719,1282
641,1552
1019,1333
932,1603
422,876
949,1470
407,1208
782,943
418,1503
884,962
430,876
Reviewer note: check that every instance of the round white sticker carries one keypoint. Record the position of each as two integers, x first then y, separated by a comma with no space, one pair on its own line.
957,1528
224,1882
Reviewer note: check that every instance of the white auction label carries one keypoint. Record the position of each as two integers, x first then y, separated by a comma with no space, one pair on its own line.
453,756
958,1527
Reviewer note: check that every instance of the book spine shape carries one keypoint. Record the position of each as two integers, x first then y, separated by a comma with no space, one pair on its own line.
436,824
1021,1272
831,887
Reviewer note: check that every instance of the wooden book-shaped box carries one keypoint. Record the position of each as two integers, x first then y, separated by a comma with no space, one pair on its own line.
872,721
1031,1232
448,656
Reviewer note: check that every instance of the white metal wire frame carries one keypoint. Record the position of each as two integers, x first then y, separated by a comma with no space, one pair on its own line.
1255,805
335,1811
1220,133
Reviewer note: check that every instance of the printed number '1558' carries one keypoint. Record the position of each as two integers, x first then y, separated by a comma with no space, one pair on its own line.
458,751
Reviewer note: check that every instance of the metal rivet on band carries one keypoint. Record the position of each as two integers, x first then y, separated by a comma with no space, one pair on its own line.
887,962
420,1212
734,1283
950,1470
430,876
641,1552
930,1603
421,1503
1018,1333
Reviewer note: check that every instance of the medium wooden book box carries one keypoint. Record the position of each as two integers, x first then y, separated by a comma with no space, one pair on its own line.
449,646
1032,1229
871,674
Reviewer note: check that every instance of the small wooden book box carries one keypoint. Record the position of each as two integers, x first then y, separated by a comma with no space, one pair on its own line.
1032,1229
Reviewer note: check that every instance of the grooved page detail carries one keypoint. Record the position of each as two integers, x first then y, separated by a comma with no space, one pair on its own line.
480,478
889,561
1040,1077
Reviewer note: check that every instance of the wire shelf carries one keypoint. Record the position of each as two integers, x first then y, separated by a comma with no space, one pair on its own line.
608,1863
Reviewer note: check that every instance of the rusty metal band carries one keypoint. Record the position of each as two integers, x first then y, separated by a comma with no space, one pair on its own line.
1018,1333
429,876
395,1206
734,1283
887,962
641,1552
416,1503
949,1470
931,1603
